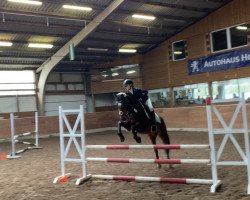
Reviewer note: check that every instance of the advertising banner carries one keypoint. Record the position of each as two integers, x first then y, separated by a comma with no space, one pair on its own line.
218,62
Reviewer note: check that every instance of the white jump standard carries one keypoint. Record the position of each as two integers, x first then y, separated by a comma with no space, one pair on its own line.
81,148
72,135
228,131
15,138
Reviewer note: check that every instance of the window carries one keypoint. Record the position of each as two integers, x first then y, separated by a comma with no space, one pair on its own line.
191,94
117,73
230,89
160,98
219,40
238,36
17,83
178,50
225,89
229,38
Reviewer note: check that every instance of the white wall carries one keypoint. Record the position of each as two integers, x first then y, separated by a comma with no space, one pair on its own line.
27,103
104,100
18,104
66,101
66,90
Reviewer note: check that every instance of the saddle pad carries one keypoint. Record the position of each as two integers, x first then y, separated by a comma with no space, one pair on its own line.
157,118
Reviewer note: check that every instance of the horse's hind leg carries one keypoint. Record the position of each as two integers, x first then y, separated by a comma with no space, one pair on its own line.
153,141
165,139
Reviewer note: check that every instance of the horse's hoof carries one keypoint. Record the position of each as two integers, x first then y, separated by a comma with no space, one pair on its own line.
159,166
137,139
122,138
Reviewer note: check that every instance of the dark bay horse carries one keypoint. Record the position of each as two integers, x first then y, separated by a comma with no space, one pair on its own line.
134,117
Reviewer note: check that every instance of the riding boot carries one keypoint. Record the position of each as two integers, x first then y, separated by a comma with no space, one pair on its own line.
153,122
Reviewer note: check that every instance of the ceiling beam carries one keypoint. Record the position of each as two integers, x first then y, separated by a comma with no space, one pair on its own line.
48,15
159,16
90,39
172,6
18,66
36,32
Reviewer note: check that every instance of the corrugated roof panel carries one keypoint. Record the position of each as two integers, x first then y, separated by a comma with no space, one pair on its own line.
47,24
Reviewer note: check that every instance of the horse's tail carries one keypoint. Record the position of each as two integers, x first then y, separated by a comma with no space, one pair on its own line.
164,135
164,132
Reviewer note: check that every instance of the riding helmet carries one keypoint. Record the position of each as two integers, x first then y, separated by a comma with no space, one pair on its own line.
127,82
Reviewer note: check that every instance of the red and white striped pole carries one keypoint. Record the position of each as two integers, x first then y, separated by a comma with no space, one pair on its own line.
156,161
154,179
126,147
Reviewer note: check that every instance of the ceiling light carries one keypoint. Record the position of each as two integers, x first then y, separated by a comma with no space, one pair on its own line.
27,2
42,46
127,50
97,49
241,27
144,17
6,44
177,52
77,7
111,80
131,71
115,74
105,75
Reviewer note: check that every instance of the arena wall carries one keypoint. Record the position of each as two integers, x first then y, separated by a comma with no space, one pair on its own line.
186,118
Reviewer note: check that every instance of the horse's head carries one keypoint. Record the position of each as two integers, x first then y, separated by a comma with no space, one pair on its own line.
123,103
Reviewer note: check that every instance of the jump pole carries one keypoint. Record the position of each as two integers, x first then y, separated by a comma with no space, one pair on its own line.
156,161
127,147
154,179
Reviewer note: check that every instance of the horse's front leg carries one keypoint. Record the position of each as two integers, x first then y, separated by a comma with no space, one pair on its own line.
122,138
135,136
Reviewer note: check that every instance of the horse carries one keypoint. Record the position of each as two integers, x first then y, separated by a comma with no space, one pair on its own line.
134,117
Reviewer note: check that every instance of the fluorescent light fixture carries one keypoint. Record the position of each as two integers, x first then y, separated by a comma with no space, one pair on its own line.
115,74
6,44
77,7
38,3
127,50
177,52
111,80
131,71
105,75
241,27
42,46
97,49
148,17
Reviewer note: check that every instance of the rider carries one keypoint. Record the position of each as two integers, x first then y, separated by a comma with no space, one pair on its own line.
142,96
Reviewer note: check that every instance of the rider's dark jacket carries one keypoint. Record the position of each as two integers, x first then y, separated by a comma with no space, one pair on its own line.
141,95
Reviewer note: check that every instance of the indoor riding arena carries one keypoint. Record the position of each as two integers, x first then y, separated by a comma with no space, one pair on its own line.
124,99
